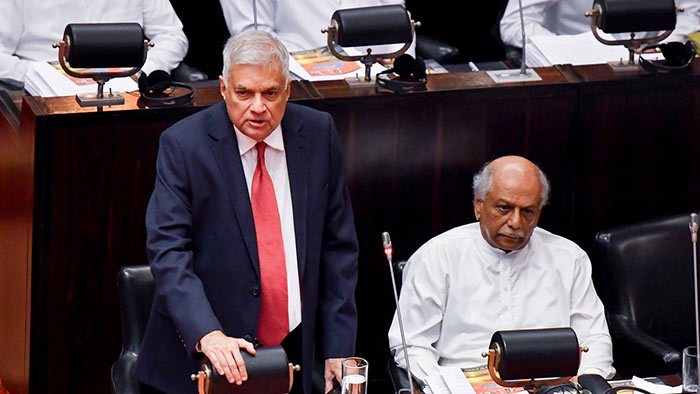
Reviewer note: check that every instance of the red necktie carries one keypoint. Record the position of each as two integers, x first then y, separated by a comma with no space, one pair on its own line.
273,324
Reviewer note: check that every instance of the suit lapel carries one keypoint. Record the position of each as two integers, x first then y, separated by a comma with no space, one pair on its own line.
296,145
227,155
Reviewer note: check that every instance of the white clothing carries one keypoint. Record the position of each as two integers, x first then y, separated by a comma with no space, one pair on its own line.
458,290
276,164
296,23
28,28
560,17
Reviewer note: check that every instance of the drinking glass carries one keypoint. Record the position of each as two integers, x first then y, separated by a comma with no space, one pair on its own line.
690,369
354,375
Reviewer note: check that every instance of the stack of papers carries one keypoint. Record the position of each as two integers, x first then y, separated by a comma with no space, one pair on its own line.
49,80
578,49
320,64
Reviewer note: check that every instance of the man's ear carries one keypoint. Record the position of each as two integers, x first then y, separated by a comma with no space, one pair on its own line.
222,86
478,206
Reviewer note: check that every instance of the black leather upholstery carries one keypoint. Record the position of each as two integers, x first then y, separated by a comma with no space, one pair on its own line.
429,48
397,375
648,290
136,287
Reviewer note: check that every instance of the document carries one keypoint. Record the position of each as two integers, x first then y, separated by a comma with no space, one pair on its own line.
454,380
319,64
49,80
575,49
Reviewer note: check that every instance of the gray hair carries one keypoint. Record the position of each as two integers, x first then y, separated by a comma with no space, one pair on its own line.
255,47
483,181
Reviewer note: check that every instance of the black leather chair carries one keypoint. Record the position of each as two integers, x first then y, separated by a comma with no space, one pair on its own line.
136,288
648,292
398,376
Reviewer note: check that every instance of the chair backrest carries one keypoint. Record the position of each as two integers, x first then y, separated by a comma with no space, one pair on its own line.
136,288
649,277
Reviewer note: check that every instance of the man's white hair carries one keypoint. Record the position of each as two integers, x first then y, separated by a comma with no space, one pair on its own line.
255,47
483,181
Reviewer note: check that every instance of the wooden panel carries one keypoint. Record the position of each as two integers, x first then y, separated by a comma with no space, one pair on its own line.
617,149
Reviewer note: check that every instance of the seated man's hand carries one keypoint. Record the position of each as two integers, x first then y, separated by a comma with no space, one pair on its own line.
225,355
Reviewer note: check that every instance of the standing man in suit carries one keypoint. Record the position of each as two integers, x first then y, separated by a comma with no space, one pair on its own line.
250,231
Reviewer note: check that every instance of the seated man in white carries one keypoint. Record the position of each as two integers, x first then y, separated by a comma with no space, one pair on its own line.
561,17
28,28
297,23
502,273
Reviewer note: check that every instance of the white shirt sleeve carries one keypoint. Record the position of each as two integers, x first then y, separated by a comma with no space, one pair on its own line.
588,321
11,26
423,297
240,17
687,21
162,26
533,14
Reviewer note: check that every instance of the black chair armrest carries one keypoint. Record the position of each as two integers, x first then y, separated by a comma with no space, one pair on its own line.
626,329
185,73
429,48
399,378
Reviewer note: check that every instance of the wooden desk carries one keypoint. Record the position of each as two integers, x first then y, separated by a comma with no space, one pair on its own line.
75,182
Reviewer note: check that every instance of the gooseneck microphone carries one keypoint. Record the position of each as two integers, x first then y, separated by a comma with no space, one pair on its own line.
693,225
255,15
388,251
522,33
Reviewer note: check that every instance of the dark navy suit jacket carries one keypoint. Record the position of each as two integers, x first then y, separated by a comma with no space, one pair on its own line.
203,252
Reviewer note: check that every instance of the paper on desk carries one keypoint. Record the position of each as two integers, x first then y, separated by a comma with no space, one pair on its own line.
45,80
575,49
655,388
324,66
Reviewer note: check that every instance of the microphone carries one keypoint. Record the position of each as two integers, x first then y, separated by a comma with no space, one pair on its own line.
693,226
388,251
522,33
255,15
524,74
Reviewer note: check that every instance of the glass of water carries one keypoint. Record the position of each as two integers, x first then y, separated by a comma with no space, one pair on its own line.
690,369
354,375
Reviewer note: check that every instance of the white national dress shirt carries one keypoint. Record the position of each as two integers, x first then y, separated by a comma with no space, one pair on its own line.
29,27
559,17
276,163
458,290
297,23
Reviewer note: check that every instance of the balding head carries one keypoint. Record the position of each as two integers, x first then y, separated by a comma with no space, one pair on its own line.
509,194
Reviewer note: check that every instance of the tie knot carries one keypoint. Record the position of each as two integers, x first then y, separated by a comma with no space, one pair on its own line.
260,146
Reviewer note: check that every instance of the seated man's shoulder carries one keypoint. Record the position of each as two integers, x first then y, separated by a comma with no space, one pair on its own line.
555,242
454,238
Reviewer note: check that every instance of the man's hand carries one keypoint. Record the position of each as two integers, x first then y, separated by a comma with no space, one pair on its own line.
334,369
225,355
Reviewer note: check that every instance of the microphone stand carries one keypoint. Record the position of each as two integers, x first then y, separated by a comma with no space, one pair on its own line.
693,225
388,251
524,74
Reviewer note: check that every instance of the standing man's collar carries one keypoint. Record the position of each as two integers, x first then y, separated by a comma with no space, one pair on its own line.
274,140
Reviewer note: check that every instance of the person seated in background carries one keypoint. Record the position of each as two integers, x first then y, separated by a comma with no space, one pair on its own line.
28,28
561,17
297,23
502,273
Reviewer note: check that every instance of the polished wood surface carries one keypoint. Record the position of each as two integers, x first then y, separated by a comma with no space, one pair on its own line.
75,183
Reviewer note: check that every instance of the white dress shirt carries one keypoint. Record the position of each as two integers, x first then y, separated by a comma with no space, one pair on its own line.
276,164
560,17
28,28
297,23
458,290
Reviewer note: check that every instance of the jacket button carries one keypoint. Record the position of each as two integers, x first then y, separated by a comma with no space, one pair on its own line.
255,291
